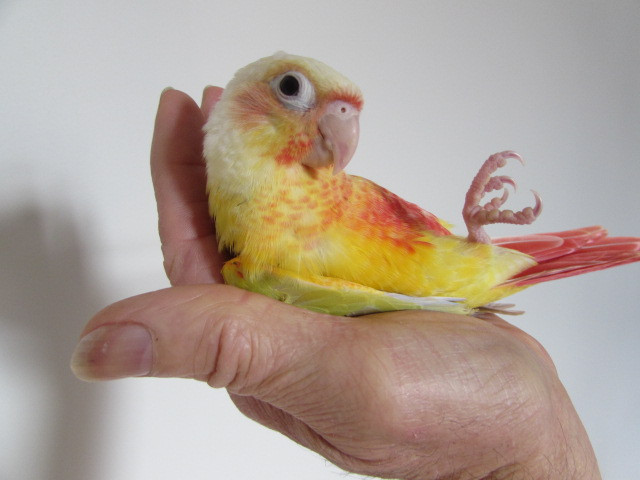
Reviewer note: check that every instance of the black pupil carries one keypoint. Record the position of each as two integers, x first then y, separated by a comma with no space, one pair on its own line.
289,85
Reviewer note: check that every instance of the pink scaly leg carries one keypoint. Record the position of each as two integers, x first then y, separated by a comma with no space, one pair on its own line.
476,216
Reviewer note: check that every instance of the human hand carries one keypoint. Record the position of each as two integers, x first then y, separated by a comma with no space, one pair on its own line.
410,395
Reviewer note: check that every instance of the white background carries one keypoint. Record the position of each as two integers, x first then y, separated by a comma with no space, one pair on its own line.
446,84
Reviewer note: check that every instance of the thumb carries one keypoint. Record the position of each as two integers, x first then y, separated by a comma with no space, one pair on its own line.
215,333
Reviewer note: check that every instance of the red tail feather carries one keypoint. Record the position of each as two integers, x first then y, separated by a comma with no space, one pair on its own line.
573,252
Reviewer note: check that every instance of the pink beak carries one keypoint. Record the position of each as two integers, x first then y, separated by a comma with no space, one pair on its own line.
339,132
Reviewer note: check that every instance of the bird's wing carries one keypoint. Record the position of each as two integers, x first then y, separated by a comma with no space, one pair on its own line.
330,295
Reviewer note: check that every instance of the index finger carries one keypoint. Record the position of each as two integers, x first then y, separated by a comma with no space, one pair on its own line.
210,97
178,172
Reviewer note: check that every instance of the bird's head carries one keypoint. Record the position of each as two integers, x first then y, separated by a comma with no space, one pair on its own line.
289,110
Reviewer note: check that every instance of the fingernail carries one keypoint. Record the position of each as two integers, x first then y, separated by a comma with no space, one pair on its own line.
113,351
165,90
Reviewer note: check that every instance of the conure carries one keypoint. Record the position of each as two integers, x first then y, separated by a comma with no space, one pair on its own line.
303,231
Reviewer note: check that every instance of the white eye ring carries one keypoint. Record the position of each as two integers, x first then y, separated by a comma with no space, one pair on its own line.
294,91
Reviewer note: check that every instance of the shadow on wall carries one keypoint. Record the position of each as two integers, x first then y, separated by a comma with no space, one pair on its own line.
51,422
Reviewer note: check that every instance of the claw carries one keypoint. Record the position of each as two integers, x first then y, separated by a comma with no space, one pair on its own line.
509,181
505,196
497,202
496,183
477,216
516,156
537,208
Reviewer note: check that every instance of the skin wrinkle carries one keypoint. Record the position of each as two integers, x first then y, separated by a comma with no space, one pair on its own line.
200,307
197,297
232,340
202,323
188,198
190,230
232,348
406,369
264,413
331,417
331,356
181,261
198,229
277,419
569,461
417,424
244,350
207,360
509,378
307,436
318,347
122,312
517,411
349,461
408,436
190,125
337,360
502,372
283,360
378,373
300,393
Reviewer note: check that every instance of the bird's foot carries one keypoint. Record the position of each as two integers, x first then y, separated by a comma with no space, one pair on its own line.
476,216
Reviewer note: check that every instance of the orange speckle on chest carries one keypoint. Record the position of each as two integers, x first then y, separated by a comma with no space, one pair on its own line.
272,215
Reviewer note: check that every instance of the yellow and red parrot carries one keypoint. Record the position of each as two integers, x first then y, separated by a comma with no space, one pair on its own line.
303,231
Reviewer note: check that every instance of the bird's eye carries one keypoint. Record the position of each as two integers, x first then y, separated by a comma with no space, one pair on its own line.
289,85
294,91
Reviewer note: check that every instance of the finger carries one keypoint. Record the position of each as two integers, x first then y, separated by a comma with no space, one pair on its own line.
210,97
179,178
267,354
215,333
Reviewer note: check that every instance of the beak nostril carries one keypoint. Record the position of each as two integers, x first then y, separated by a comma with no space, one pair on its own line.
343,110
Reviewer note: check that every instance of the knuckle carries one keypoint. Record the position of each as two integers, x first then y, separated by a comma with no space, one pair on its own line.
224,351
